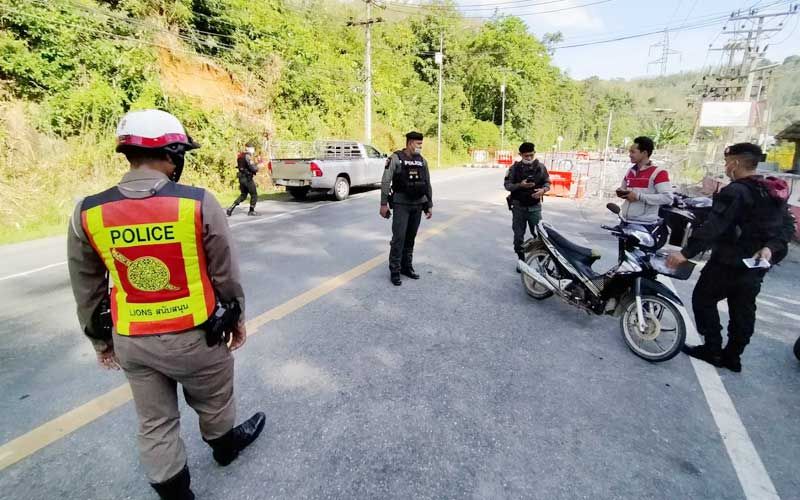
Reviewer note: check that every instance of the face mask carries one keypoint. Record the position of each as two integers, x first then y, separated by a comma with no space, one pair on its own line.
252,151
730,172
417,151
527,162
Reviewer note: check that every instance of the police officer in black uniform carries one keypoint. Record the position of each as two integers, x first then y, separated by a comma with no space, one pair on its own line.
247,169
749,219
528,181
406,188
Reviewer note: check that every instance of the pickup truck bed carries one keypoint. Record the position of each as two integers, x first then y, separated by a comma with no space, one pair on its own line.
333,167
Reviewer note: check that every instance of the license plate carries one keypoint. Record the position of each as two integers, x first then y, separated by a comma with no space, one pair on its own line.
293,182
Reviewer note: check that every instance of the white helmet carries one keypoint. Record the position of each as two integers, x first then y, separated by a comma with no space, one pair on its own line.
153,129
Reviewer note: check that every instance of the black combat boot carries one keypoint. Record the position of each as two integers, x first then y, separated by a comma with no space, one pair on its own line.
710,353
230,209
227,447
409,271
731,359
395,277
253,212
176,487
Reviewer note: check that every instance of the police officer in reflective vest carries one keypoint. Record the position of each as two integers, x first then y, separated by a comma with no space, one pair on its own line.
749,219
406,188
528,181
175,299
246,168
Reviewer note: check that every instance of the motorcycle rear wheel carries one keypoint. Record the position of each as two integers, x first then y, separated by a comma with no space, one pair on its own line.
663,322
540,259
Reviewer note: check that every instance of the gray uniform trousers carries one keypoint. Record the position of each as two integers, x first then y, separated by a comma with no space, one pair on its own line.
405,223
154,365
522,217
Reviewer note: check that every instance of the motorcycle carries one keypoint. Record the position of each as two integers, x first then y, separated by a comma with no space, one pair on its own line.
797,348
652,325
684,214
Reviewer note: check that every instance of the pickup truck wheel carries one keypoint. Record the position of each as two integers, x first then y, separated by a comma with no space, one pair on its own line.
341,189
298,193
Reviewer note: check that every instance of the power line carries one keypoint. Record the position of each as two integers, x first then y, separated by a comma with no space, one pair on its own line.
454,14
639,35
694,4
474,7
724,19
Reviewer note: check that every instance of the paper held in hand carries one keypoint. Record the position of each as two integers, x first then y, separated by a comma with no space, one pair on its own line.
754,263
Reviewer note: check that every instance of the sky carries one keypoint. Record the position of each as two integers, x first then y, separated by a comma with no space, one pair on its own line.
593,20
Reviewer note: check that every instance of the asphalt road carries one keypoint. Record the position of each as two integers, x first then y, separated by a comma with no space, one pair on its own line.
454,386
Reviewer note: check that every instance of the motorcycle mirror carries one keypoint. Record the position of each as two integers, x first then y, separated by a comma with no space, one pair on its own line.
613,207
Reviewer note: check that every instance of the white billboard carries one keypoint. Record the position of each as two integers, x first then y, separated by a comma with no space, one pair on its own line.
726,114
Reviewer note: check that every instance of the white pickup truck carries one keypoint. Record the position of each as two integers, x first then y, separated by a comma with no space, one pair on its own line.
330,166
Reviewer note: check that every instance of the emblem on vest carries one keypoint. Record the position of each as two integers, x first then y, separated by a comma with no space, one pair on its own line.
147,274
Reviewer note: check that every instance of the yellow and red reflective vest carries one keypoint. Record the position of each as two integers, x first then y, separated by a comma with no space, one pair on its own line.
153,250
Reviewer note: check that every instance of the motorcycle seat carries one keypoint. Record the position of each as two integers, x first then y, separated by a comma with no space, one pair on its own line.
581,254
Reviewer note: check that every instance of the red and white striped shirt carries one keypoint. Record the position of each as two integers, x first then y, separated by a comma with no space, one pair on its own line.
653,189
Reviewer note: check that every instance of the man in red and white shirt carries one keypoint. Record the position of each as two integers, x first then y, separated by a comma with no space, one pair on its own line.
645,186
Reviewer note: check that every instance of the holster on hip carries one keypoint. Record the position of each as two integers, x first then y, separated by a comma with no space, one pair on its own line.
221,323
101,322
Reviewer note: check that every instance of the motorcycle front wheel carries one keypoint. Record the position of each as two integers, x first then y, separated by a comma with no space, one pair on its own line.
664,329
540,259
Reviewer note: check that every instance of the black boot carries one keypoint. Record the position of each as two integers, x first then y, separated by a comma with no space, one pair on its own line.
227,447
409,271
711,354
230,209
253,212
731,359
395,277
176,487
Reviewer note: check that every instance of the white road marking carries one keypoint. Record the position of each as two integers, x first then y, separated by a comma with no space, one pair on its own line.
753,476
789,315
788,301
767,303
25,273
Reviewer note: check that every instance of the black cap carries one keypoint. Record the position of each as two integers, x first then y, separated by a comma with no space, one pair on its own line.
414,136
527,147
744,148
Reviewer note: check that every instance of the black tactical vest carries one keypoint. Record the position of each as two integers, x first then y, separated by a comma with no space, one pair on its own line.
410,178
242,166
519,173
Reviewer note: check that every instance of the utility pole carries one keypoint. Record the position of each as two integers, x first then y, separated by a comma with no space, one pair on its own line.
368,69
605,152
666,52
440,62
741,75
503,115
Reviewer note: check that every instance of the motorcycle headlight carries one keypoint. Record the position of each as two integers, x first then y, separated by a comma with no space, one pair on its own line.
645,239
630,264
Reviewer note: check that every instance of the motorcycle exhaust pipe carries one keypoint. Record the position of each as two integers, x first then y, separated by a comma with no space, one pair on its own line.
535,275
